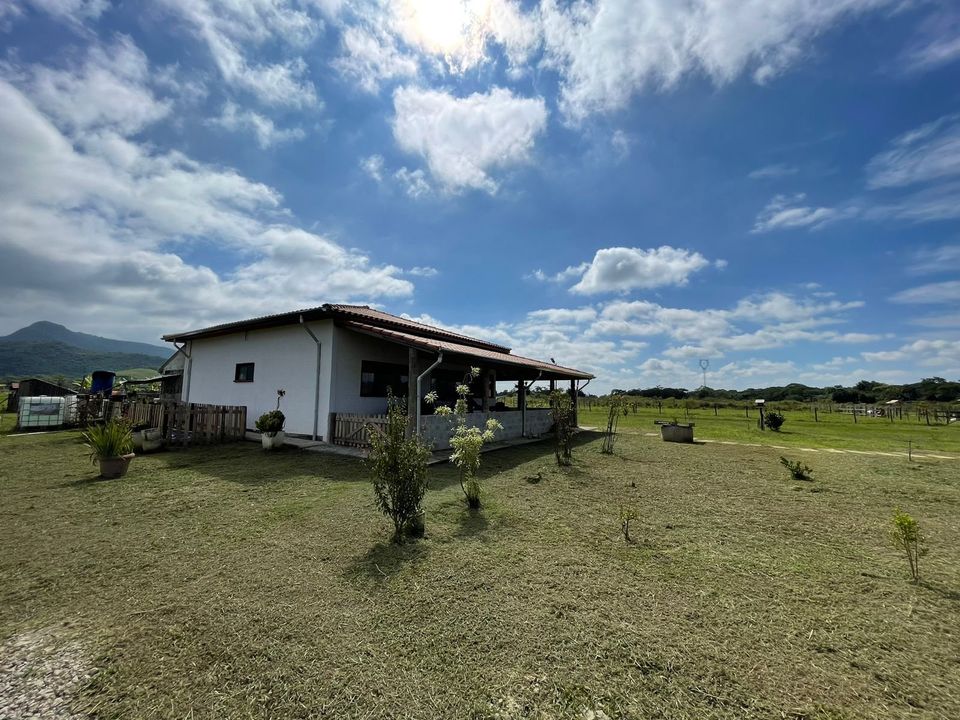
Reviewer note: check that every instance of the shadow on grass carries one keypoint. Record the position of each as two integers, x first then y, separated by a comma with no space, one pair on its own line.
945,593
387,558
473,523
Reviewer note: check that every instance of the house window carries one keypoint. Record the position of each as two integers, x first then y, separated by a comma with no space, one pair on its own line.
243,373
376,377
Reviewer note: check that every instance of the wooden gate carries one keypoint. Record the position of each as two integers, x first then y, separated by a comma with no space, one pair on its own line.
354,430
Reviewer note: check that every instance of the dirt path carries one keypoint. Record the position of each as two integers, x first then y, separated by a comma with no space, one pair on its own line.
925,455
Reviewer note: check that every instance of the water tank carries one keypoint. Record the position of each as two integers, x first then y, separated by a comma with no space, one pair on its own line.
101,381
41,412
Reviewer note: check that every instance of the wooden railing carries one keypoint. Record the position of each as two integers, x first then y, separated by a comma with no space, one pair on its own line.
354,430
186,424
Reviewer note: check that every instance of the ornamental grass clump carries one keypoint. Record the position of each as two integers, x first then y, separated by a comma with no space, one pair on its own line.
110,440
467,441
399,467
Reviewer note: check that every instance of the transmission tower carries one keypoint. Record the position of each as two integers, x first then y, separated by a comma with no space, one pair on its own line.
704,364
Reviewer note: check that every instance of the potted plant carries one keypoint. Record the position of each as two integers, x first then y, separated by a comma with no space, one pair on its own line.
270,425
111,445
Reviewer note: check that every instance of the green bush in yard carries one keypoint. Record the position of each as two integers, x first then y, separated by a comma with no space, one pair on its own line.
774,420
399,467
563,426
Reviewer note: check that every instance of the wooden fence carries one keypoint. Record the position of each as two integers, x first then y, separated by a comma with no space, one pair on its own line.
354,430
185,424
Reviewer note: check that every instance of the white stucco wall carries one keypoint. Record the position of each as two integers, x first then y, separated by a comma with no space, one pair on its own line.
350,350
283,357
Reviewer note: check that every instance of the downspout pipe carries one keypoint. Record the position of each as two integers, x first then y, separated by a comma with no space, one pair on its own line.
420,378
523,410
185,392
316,396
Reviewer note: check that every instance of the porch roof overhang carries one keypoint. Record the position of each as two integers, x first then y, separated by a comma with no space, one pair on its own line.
507,365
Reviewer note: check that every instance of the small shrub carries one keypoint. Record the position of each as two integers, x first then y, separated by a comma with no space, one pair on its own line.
271,422
563,426
774,420
908,537
109,440
797,469
626,515
399,466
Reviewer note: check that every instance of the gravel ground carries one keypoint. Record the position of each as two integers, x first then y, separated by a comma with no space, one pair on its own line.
39,674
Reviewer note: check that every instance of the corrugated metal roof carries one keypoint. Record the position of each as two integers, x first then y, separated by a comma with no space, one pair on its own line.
505,358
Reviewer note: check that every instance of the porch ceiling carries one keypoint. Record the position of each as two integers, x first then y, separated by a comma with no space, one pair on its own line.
508,366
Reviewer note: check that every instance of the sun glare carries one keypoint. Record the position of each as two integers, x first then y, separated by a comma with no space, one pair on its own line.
453,28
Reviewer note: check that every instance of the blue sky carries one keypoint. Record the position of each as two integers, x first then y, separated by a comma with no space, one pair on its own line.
625,186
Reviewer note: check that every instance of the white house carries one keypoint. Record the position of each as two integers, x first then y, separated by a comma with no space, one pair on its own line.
337,361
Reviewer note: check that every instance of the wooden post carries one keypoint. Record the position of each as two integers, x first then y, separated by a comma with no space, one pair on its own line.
413,402
522,404
485,400
575,399
815,419
716,411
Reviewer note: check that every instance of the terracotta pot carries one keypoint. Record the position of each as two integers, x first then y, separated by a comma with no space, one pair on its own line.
115,467
272,440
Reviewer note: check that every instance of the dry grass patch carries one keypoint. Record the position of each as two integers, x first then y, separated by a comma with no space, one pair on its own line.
230,583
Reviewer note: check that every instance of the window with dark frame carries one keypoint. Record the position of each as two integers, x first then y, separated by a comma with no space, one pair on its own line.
243,373
376,377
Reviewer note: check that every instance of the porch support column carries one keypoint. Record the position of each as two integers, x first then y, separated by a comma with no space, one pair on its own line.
522,404
413,371
575,399
485,401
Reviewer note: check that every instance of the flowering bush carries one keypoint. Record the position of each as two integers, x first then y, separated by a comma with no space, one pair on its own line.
467,442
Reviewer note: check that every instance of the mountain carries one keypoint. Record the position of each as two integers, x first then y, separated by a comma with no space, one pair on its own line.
44,331
24,359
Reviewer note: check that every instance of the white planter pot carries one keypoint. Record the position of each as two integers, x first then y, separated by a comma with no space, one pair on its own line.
272,440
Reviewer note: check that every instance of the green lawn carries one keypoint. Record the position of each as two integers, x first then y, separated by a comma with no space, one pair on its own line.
228,583
832,430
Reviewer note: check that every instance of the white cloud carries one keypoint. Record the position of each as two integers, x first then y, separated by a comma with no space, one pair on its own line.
413,182
927,353
98,225
371,57
608,50
372,165
772,171
267,134
620,269
937,43
945,258
73,10
934,293
423,271
109,88
463,140
232,29
929,152
785,212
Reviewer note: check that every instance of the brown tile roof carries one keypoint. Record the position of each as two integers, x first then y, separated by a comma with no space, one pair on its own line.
549,370
366,314
362,313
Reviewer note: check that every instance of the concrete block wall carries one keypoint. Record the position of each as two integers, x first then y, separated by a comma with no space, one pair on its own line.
436,430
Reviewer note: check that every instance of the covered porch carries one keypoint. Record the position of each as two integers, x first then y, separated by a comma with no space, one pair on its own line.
438,366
